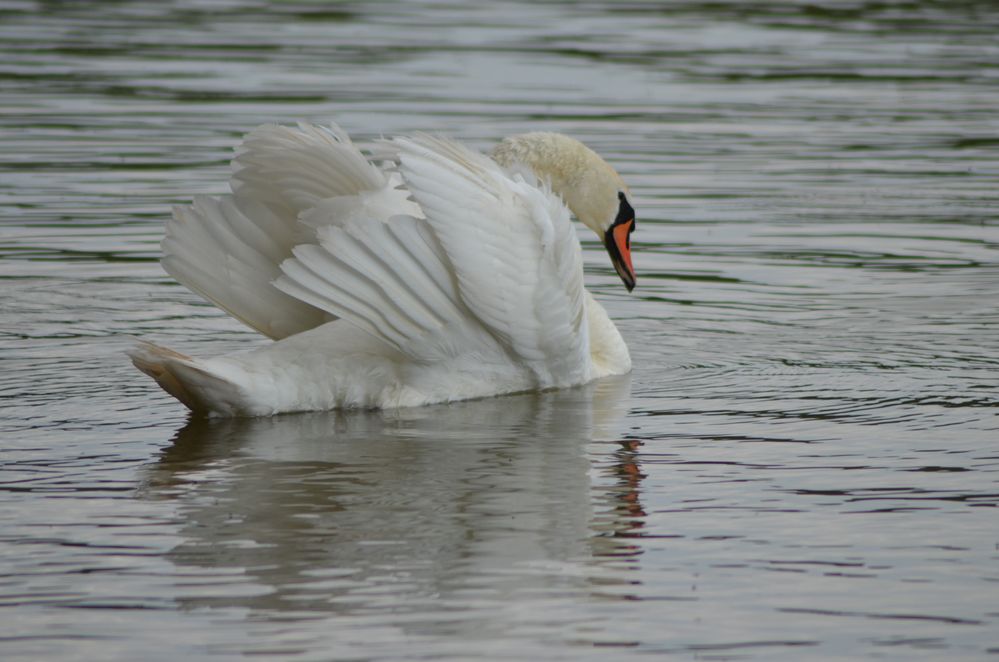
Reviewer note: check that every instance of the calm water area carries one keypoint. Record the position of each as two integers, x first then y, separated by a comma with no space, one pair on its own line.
804,464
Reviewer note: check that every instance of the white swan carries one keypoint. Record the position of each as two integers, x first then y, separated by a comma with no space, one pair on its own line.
443,275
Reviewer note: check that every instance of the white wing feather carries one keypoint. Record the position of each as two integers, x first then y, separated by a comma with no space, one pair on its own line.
394,281
229,258
483,263
228,249
291,169
514,252
494,269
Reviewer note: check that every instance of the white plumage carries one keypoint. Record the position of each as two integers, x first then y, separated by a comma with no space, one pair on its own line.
445,275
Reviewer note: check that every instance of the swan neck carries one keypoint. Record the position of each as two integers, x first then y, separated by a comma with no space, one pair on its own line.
586,183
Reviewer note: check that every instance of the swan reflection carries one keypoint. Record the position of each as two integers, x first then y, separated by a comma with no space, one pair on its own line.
346,511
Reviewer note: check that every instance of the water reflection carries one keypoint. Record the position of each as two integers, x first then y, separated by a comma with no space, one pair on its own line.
360,511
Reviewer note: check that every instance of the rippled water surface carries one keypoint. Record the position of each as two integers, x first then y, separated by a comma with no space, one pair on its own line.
803,465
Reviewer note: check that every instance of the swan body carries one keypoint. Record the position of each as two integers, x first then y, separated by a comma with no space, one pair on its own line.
442,275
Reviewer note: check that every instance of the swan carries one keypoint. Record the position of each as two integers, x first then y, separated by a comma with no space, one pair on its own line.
429,273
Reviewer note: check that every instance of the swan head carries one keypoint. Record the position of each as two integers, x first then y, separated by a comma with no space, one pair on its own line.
590,187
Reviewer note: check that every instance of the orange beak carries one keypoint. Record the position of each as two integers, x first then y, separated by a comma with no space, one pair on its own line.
618,243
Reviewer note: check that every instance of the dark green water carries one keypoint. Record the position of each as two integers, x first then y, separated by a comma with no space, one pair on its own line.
803,465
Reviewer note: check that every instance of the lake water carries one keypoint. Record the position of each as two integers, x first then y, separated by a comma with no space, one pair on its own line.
804,464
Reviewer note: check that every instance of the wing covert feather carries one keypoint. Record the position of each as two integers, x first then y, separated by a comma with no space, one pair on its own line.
391,279
514,252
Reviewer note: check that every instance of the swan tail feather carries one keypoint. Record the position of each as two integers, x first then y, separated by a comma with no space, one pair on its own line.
201,389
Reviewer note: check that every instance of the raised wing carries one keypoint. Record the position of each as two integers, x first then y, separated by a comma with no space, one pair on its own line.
228,248
230,257
493,270
394,281
289,170
514,251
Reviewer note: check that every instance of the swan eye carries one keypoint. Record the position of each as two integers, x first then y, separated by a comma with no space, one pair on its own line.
625,212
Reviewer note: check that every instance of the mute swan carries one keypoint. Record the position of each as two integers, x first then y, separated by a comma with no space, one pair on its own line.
442,275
